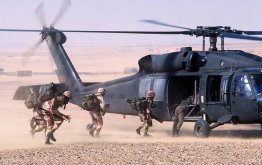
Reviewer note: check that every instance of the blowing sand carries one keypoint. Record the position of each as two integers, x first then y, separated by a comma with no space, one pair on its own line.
119,143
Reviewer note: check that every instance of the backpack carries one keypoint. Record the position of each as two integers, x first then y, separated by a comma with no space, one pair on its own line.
47,92
138,104
90,103
31,101
141,104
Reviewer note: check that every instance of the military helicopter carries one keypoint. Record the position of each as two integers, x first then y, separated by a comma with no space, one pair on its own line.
226,83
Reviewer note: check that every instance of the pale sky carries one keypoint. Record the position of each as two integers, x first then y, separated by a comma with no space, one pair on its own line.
125,15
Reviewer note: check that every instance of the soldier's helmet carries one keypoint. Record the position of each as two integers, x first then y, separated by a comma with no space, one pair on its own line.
67,94
150,94
101,90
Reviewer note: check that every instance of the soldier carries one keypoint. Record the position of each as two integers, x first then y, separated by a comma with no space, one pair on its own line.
179,114
144,115
96,114
53,117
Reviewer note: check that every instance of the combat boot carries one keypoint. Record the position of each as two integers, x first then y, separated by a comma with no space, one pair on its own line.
52,137
32,133
91,133
47,140
175,133
138,130
146,134
97,133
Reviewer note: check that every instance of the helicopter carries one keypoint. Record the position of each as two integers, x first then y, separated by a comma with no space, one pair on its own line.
226,83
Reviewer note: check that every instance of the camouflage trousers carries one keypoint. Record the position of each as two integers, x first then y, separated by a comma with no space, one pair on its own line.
97,121
37,123
53,122
179,119
146,121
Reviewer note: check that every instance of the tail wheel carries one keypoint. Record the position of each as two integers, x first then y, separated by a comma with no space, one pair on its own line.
201,128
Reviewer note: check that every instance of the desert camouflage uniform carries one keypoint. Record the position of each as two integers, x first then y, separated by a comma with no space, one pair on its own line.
96,115
53,117
179,115
145,118
37,122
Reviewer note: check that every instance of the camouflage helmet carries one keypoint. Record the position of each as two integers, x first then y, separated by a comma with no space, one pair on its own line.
101,90
150,94
67,94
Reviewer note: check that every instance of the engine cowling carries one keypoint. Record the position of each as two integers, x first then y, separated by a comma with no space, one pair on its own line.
186,59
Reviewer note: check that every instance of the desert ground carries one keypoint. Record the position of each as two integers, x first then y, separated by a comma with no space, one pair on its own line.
119,143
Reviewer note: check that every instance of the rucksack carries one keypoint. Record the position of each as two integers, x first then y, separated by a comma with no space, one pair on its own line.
138,104
47,92
90,103
141,103
31,101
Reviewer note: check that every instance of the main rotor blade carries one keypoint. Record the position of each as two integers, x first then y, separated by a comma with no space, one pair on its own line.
40,14
252,32
240,36
30,52
164,24
98,31
21,30
61,12
131,32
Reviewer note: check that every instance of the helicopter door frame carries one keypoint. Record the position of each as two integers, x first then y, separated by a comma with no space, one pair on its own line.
214,104
243,102
159,86
225,91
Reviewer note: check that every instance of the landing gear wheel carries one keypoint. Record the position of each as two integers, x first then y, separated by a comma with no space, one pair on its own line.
201,129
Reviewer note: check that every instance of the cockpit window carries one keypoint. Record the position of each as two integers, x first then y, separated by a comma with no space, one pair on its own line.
256,81
242,86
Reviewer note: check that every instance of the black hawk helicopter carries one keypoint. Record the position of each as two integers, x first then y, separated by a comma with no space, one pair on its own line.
226,83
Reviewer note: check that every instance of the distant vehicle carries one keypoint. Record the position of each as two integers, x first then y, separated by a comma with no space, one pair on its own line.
24,73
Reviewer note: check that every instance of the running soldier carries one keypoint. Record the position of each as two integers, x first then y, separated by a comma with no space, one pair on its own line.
53,117
145,117
97,113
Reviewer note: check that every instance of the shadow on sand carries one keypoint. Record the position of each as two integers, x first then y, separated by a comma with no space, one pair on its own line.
235,133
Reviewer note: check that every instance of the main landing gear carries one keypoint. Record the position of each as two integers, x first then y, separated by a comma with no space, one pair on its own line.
202,128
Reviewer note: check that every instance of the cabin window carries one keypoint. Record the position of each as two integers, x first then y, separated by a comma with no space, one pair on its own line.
256,80
242,86
144,87
213,88
159,89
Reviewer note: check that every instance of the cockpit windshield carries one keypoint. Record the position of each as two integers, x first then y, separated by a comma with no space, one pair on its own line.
256,81
242,86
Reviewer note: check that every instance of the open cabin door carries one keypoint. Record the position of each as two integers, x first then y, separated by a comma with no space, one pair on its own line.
180,88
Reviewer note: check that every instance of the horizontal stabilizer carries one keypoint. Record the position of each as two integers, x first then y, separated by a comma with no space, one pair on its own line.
22,91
